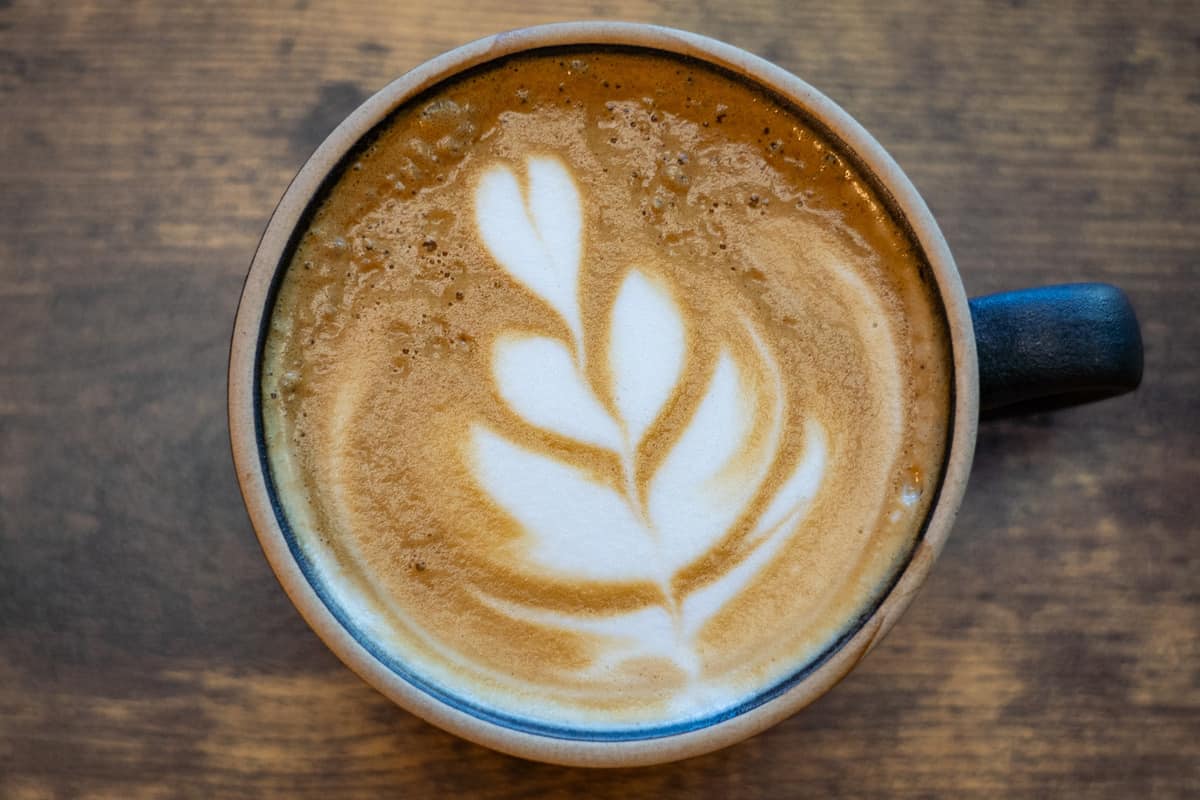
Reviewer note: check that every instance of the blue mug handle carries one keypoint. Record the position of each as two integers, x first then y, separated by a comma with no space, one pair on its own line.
1055,346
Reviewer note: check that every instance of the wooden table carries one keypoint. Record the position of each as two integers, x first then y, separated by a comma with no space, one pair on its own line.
146,650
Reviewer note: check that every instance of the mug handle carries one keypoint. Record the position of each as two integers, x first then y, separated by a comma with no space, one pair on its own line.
1055,346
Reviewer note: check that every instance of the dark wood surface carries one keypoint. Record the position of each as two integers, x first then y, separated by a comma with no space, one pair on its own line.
146,650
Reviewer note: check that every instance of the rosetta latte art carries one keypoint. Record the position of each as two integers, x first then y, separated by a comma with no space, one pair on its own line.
641,527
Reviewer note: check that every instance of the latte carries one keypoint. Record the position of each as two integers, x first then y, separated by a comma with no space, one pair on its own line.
603,391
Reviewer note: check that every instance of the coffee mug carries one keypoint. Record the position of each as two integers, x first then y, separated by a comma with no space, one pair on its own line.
1011,353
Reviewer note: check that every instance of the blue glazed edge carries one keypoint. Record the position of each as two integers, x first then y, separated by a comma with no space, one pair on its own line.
509,721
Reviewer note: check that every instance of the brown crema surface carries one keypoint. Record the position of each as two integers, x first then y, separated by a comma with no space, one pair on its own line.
378,364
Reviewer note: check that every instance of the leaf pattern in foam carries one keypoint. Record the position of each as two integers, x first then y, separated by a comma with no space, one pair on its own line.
577,526
538,378
645,352
649,632
692,504
646,632
538,239
773,528
800,487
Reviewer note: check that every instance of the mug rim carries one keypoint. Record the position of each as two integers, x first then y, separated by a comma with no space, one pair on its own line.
255,307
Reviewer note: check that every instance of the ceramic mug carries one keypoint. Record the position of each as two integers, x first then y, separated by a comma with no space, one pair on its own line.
1013,352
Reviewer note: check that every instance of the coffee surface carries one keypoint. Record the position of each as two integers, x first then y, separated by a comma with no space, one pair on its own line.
604,391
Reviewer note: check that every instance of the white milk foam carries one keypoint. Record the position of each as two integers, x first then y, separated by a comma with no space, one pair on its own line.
579,526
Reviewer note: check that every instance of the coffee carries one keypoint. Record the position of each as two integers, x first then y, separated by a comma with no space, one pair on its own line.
603,391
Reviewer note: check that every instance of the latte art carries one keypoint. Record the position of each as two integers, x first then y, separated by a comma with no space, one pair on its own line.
657,518
599,404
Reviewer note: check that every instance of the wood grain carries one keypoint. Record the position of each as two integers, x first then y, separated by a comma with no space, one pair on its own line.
147,651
